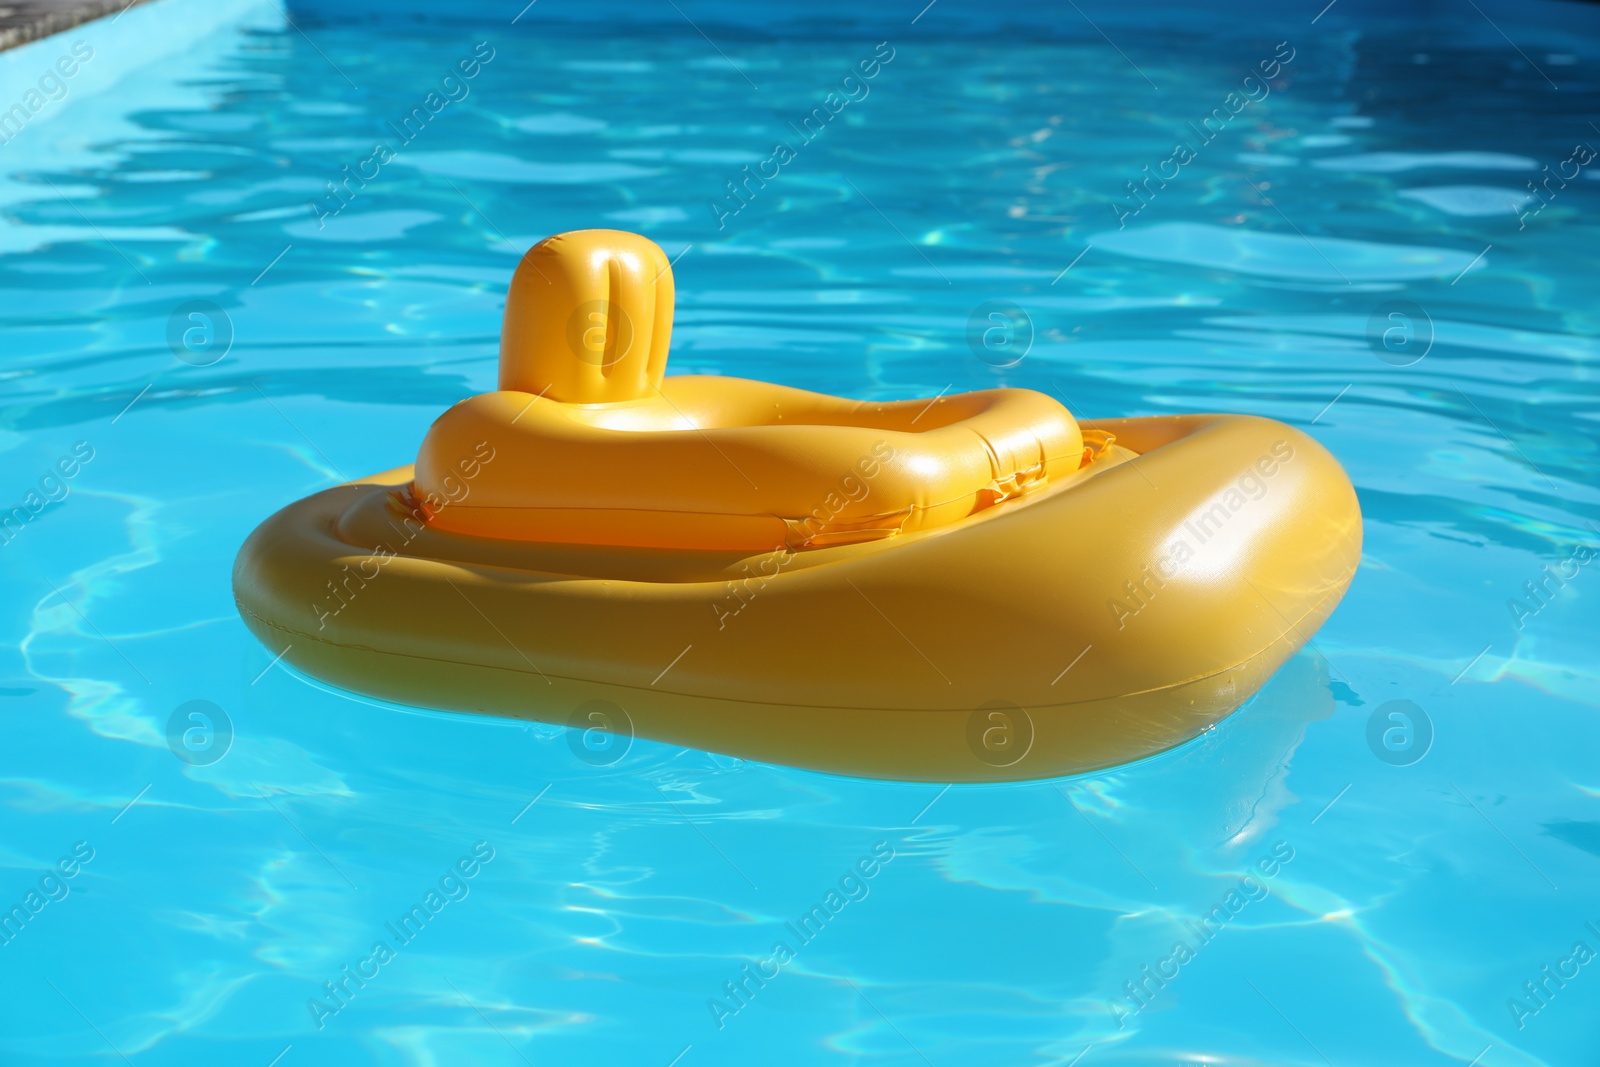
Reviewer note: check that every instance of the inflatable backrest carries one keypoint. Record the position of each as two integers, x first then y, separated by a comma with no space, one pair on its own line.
588,318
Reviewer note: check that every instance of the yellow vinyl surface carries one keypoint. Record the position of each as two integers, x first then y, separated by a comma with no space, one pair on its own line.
975,588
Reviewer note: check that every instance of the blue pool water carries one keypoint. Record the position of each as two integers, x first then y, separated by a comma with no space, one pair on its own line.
1409,875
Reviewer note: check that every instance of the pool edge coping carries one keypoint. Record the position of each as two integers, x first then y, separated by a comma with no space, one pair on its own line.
37,19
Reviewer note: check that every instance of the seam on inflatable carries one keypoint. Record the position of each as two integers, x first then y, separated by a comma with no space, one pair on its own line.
1288,632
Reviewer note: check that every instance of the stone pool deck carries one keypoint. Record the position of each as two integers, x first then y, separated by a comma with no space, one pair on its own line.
22,21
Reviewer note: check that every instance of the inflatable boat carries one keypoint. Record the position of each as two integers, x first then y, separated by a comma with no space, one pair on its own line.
969,588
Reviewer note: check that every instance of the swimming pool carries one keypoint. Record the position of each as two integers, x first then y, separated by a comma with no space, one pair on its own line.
1376,861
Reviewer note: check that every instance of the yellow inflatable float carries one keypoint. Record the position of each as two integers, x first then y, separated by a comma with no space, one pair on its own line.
968,588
